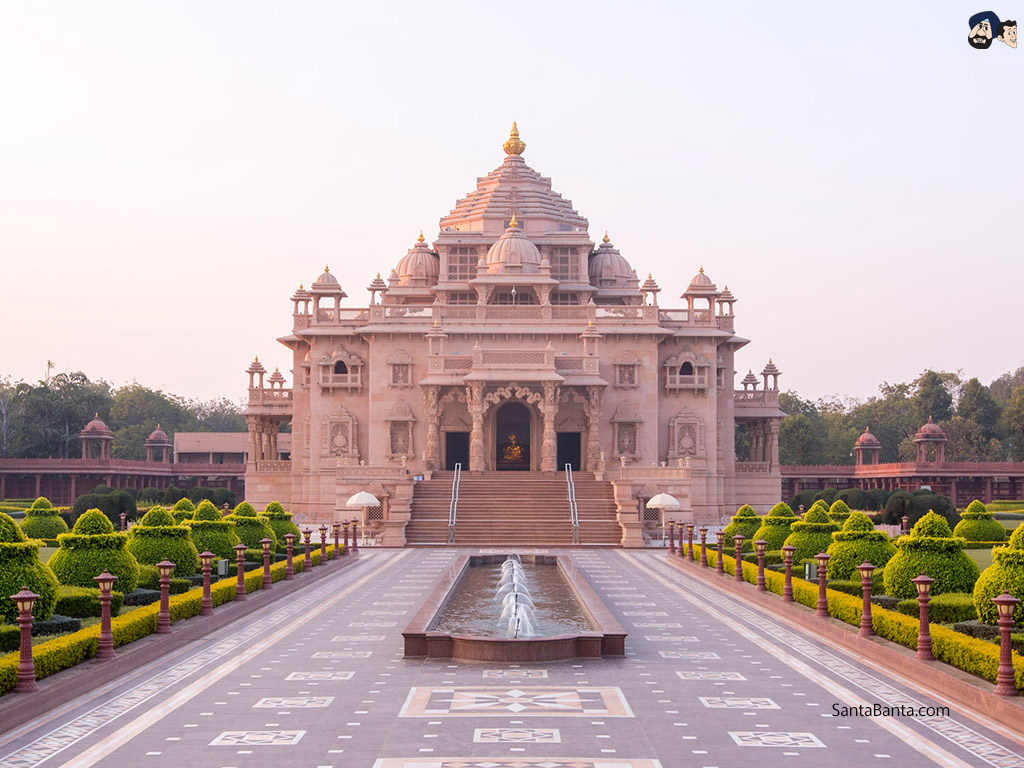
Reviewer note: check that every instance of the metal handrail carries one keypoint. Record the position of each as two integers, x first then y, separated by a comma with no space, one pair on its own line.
453,506
574,514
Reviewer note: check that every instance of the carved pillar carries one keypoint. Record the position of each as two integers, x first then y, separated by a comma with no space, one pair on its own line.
594,398
432,454
549,443
273,441
475,404
773,432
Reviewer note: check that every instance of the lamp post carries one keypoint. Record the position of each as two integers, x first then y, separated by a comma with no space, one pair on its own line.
124,521
105,648
345,550
760,544
822,559
867,570
355,535
265,543
361,501
336,529
1005,604
323,545
289,570
906,525
671,537
924,636
163,619
787,587
689,542
719,564
306,533
703,547
737,570
24,600
206,606
240,565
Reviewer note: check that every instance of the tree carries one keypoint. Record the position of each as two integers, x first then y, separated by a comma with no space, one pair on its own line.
1013,420
136,412
7,407
1003,387
977,404
218,415
932,398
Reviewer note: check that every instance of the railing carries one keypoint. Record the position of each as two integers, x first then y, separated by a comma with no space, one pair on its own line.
453,506
270,396
767,397
753,468
574,513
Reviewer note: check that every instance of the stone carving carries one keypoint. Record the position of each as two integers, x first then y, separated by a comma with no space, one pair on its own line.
400,420
685,435
340,433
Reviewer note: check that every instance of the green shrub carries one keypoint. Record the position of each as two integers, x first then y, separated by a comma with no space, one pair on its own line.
948,608
42,521
20,567
172,495
200,493
839,511
102,490
281,522
251,528
206,511
149,494
916,505
826,495
183,510
775,526
222,496
142,597
90,548
56,625
803,499
1005,574
811,535
158,538
930,548
210,532
84,602
977,524
149,580
857,542
855,498
745,522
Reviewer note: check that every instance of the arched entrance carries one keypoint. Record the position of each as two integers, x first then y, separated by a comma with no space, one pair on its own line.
512,443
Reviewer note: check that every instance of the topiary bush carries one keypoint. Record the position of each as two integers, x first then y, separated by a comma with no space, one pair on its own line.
949,608
20,567
84,602
172,495
210,532
916,505
826,495
745,522
856,543
150,494
157,537
200,493
222,496
90,548
930,548
775,526
839,512
42,521
1005,573
183,510
813,534
251,528
855,498
282,524
976,524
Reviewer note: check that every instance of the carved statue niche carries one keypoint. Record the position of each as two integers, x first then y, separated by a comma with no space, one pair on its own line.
685,435
627,370
400,420
626,422
340,434
400,369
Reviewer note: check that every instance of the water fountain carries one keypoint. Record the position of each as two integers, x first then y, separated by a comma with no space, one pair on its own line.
517,607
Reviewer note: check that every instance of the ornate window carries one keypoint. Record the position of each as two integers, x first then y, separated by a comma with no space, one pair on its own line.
563,299
563,262
627,370
400,421
400,369
685,435
626,424
686,371
461,263
342,370
462,297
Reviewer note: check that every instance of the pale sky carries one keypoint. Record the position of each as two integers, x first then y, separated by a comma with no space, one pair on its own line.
170,172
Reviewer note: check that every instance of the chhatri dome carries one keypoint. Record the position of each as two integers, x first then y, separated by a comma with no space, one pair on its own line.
608,268
513,252
419,267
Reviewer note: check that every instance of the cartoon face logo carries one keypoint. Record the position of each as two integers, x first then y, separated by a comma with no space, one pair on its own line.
1006,32
982,26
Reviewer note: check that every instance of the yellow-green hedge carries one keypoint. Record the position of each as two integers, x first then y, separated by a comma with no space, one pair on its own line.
975,656
66,651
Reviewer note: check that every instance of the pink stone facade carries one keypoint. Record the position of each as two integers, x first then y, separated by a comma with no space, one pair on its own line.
512,341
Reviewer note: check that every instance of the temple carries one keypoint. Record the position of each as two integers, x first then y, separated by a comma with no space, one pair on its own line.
513,343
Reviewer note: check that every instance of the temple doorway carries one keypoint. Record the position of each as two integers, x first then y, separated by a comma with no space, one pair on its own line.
513,438
456,449
569,451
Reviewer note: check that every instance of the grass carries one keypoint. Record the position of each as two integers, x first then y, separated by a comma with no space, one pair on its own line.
45,553
983,557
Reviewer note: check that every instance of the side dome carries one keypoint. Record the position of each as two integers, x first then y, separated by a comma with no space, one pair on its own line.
97,427
701,283
608,268
157,436
325,280
513,252
419,267
930,431
867,440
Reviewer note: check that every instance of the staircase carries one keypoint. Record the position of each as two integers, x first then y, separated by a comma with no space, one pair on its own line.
513,508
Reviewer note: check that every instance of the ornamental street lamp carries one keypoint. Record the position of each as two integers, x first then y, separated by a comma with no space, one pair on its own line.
345,550
306,533
924,637
737,570
163,619
240,565
323,545
206,606
787,587
355,535
336,529
689,542
719,564
1005,604
24,600
822,559
265,543
703,547
289,570
671,537
760,544
906,525
105,648
124,521
867,570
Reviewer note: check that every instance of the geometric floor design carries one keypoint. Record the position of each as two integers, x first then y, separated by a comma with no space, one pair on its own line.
499,701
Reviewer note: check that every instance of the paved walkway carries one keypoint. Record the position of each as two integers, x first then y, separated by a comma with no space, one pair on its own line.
320,681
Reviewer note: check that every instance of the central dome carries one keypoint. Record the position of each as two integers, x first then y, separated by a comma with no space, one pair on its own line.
513,252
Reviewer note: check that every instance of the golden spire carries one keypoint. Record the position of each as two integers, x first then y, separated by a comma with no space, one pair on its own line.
300,287
420,238
701,270
378,275
512,223
649,277
606,239
326,268
514,146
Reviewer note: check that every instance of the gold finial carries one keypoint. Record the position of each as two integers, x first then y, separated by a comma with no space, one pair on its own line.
649,277
420,238
701,270
770,361
378,275
514,146
96,415
326,268
437,321
512,222
606,239
590,323
727,288
255,358
300,287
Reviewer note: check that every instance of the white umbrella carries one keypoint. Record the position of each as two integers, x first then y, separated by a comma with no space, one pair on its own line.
363,499
663,501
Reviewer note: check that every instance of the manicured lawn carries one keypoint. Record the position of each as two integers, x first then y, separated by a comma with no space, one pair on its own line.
45,552
983,557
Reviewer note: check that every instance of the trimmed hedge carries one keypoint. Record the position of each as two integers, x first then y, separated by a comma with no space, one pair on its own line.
857,542
210,532
1005,573
930,548
775,526
157,538
84,602
20,567
64,652
281,523
839,512
43,521
183,510
949,608
90,548
813,534
977,524
252,528
745,522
